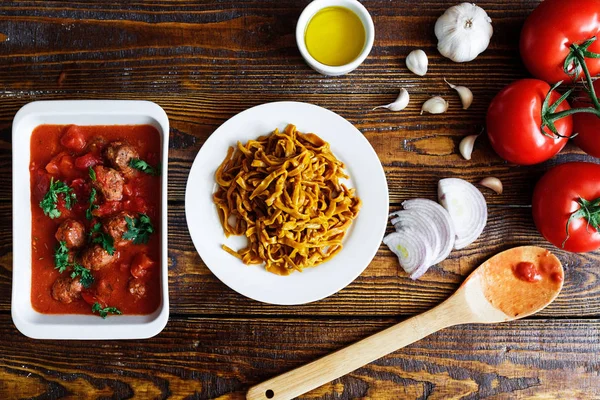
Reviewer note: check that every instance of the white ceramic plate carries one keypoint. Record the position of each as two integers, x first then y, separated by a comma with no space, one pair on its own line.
361,241
74,326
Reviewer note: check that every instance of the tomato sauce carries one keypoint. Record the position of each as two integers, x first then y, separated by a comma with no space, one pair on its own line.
522,281
65,153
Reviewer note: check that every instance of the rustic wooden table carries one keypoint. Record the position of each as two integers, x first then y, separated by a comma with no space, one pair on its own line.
203,62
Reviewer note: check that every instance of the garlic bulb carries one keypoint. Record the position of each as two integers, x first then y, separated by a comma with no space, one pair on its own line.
416,62
463,32
435,105
399,104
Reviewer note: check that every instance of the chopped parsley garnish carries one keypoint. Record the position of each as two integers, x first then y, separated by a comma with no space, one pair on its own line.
86,275
138,229
102,238
144,166
104,311
50,200
92,207
106,241
95,229
92,173
61,263
61,257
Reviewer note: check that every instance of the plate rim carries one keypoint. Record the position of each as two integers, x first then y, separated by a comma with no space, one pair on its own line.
378,232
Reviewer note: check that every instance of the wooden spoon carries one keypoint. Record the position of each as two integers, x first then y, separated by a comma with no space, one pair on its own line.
511,285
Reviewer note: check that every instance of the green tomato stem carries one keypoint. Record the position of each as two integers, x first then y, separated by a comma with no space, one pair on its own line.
571,111
592,92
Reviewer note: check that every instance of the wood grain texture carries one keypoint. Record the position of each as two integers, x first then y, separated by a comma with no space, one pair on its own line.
205,61
200,358
383,289
414,157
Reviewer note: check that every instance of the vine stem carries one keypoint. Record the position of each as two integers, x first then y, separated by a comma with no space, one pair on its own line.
576,59
566,113
579,54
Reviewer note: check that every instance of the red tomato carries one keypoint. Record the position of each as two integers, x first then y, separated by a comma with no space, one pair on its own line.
82,193
132,188
587,126
73,138
91,297
555,199
549,31
108,208
87,160
140,265
41,186
62,164
514,120
136,204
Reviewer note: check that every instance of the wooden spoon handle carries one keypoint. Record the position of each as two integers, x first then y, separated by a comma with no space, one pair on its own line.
310,376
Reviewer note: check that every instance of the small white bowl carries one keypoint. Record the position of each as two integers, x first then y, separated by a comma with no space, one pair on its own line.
74,326
307,15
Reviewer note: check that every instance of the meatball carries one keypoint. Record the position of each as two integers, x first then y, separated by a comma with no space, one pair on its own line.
116,226
66,289
120,154
71,232
96,257
137,288
109,182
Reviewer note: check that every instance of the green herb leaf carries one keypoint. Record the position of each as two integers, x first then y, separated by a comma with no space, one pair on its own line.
61,257
92,207
92,173
50,200
103,312
144,166
94,229
102,238
86,275
106,241
138,229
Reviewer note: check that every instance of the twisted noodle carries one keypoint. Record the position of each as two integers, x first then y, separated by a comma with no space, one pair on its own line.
282,192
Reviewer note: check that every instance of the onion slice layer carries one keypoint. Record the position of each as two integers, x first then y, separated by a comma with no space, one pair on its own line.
467,208
411,248
442,222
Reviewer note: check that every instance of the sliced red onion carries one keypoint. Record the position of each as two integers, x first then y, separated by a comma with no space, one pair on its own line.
442,222
411,248
413,219
467,208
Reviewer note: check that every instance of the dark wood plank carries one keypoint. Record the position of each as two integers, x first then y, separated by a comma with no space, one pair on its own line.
382,290
414,155
205,358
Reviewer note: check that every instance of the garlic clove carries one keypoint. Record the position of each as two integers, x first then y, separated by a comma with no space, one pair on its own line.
463,32
466,146
435,105
400,103
492,183
417,62
465,94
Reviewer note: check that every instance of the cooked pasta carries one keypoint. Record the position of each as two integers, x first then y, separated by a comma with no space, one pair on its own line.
282,192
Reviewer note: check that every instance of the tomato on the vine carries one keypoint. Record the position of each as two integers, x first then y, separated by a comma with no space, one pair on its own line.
549,32
587,126
514,121
567,199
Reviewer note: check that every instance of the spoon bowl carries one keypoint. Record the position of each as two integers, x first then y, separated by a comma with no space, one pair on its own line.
513,284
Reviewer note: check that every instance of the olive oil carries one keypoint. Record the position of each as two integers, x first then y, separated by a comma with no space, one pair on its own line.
335,36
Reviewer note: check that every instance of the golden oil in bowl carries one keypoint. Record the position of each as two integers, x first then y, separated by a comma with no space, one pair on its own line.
335,36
